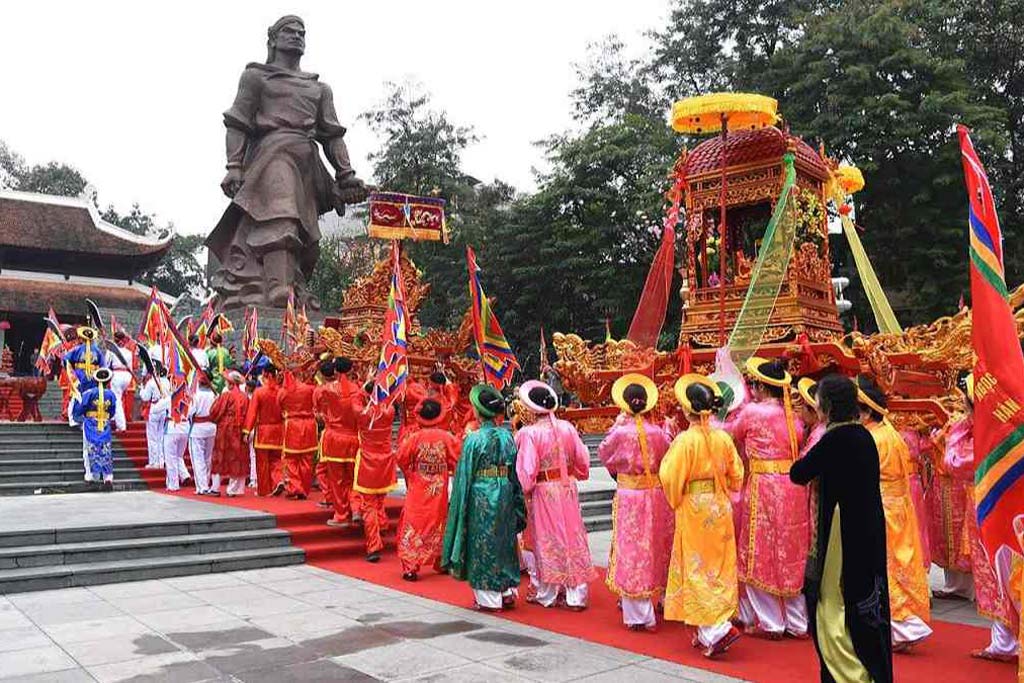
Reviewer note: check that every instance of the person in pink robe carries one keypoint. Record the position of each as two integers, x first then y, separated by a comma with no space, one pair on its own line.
642,521
946,501
774,526
919,444
551,459
993,602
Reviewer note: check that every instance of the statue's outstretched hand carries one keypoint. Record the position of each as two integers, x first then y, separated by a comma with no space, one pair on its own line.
350,191
232,182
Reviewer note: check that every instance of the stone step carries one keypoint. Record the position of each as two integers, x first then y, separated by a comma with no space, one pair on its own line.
78,485
123,472
598,522
94,573
114,532
70,463
20,557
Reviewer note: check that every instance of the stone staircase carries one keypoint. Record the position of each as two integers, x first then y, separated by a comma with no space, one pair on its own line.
46,457
145,547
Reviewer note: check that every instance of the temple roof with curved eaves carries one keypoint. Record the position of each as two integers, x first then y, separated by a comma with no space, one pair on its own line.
66,234
745,147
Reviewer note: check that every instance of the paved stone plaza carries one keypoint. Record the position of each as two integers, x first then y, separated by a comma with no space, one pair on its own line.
289,624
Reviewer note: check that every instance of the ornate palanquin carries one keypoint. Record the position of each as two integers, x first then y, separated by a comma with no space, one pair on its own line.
754,178
356,332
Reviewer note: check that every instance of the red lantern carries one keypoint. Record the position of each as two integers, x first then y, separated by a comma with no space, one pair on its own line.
845,209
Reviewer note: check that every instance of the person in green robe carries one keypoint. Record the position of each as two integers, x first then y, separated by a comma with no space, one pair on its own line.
486,509
220,362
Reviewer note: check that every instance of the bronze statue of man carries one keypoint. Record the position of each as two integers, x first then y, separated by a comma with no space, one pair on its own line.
267,241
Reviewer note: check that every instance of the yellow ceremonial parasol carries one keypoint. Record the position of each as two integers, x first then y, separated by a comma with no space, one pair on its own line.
725,110
718,113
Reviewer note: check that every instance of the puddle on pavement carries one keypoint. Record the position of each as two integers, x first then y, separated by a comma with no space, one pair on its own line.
215,640
418,630
511,639
350,640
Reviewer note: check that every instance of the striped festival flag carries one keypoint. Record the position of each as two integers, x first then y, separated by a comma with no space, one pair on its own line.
496,357
392,375
998,372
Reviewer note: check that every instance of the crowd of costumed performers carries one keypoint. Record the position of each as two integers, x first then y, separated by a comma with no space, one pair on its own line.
714,523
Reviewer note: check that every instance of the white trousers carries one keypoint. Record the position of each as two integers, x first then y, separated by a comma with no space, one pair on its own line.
252,464
491,599
638,611
155,443
910,630
575,596
709,635
530,561
174,459
201,450
958,583
1003,641
85,457
119,383
772,613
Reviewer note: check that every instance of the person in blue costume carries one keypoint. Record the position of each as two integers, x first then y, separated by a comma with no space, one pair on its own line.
86,358
98,415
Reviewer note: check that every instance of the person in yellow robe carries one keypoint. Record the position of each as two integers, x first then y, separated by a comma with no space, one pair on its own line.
909,606
698,474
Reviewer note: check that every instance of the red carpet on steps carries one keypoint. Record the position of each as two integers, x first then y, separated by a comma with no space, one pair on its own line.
944,657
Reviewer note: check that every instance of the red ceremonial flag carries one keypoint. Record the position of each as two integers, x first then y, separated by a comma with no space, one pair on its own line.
650,311
998,371
52,343
544,364
153,322
251,335
496,357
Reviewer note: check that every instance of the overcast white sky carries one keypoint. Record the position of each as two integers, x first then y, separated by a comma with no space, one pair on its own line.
132,92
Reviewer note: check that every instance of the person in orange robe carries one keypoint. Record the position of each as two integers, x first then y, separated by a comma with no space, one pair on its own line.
427,458
264,428
230,450
295,399
700,474
909,606
375,474
338,402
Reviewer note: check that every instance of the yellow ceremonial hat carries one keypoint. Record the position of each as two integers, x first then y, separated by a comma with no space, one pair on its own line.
649,387
685,381
808,388
866,400
753,367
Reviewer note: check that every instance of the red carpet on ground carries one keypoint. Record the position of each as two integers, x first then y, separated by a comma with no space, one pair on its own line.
944,657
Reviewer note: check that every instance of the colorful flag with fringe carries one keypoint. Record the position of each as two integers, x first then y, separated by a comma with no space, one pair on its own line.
496,357
203,330
391,379
251,334
51,344
154,322
998,372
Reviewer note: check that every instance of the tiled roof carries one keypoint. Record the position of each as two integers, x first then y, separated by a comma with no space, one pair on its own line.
33,221
751,146
66,297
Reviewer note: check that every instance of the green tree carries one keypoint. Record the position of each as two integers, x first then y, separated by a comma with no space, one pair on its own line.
50,178
180,270
864,80
421,153
342,260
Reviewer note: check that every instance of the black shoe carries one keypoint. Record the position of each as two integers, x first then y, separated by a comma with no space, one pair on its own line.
108,486
373,557
410,576
278,490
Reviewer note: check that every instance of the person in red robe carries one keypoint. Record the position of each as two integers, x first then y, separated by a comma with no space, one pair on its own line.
295,399
375,474
427,456
264,427
230,450
338,402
